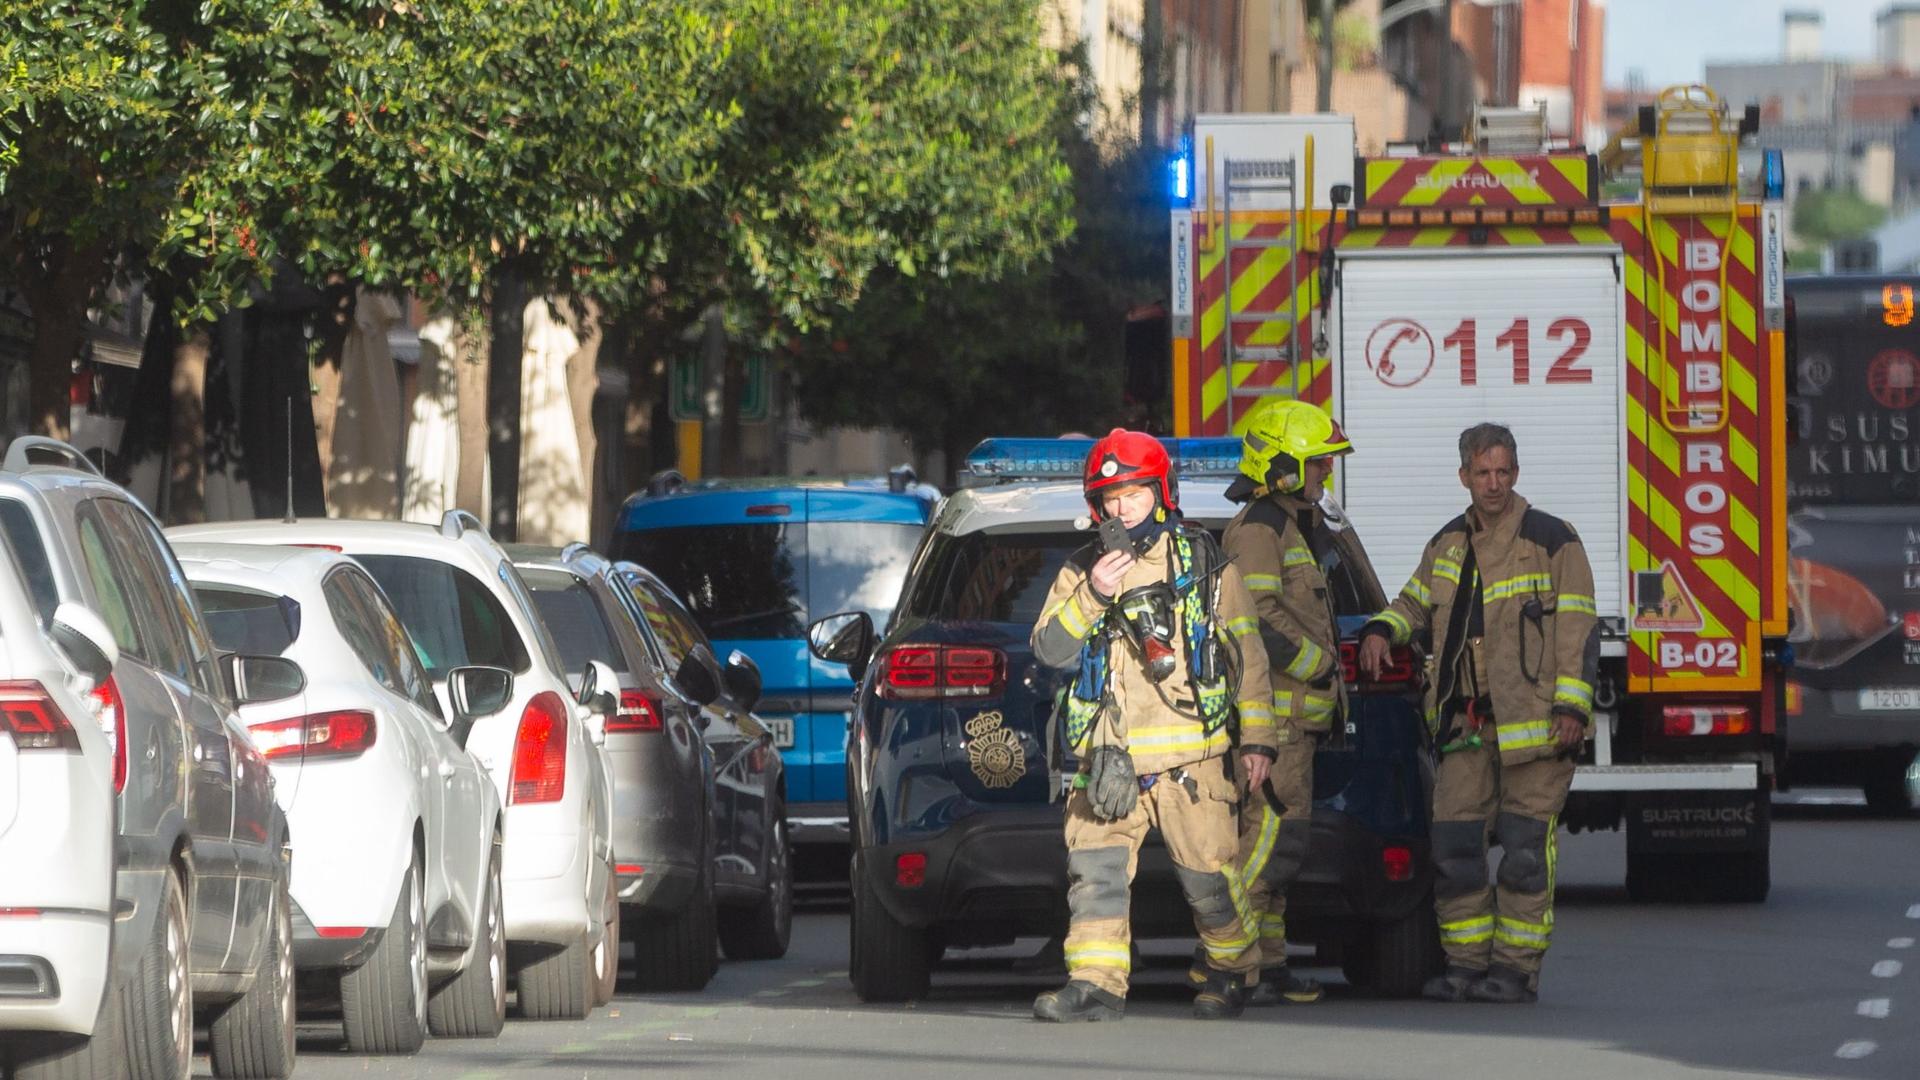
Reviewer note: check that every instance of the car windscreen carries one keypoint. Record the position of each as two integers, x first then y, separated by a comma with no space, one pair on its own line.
249,622
453,619
574,618
739,581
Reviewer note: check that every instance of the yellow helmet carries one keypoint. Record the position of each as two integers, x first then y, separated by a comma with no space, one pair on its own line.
1283,434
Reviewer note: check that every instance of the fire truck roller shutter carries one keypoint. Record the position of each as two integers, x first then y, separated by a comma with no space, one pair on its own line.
1431,343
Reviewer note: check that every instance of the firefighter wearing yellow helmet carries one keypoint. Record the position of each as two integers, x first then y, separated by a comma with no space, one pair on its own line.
1283,547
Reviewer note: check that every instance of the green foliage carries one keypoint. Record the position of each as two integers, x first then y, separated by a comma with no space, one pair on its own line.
955,359
1824,217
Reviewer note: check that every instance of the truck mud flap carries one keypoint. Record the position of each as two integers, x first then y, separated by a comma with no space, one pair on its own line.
1695,821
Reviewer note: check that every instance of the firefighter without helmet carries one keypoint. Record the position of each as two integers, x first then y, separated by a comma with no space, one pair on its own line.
1282,436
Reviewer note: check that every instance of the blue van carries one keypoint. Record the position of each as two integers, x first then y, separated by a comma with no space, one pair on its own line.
755,561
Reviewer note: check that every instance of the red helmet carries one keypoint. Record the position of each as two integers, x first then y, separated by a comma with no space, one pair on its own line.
1129,457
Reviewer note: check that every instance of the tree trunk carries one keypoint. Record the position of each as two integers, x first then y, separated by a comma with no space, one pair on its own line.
58,331
470,492
503,402
331,326
187,446
583,383
733,384
1323,85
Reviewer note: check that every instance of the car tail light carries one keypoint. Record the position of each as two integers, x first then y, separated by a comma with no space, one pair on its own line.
340,931
28,713
910,870
1397,863
913,672
1677,720
320,547
540,751
635,869
1400,672
19,912
111,711
339,733
639,711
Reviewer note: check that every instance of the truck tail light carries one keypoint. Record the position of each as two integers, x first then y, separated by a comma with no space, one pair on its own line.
1400,672
638,711
339,733
28,713
918,672
111,712
1680,720
540,751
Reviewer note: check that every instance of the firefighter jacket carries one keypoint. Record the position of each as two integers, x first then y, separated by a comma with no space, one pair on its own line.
1163,725
1276,542
1531,644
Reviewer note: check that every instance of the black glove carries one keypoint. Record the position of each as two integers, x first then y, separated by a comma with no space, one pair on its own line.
1113,789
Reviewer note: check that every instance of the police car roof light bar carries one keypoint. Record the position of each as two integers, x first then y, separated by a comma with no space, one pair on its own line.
1006,461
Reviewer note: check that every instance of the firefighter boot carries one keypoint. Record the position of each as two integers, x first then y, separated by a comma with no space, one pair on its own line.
1222,997
1502,986
1280,986
1078,1001
1452,984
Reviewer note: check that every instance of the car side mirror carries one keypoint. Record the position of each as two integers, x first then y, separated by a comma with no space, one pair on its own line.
846,638
743,680
600,694
478,692
696,678
84,637
254,679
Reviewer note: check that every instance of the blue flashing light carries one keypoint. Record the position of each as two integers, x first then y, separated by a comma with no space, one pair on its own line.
1180,174
1773,172
1010,460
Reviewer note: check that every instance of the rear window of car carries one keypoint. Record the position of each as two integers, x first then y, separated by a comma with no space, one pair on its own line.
245,621
453,619
16,522
769,580
574,618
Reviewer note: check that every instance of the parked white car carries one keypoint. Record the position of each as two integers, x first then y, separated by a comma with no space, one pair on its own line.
396,888
476,630
56,840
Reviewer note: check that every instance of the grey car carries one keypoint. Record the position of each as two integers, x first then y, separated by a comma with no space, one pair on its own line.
699,806
202,851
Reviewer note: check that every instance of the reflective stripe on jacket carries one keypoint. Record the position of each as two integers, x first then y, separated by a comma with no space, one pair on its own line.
1541,634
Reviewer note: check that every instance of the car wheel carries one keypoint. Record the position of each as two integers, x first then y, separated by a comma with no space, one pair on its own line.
763,931
1887,789
558,983
158,1001
384,1001
253,1036
1394,959
75,1057
606,955
474,1004
887,960
677,951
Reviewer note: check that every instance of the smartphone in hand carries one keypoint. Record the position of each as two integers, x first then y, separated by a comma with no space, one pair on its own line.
1113,536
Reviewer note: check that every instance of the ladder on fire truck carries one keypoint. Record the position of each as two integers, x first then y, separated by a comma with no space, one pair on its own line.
1266,182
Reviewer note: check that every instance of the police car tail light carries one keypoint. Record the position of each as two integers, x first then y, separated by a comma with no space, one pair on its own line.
1399,672
29,715
540,752
919,672
638,711
1679,720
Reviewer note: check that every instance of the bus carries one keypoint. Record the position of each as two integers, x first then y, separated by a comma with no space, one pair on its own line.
1853,475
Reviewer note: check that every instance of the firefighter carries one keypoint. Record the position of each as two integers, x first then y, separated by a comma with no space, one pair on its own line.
1162,636
1507,594
1282,546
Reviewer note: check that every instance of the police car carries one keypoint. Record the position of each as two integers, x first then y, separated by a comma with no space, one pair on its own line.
956,766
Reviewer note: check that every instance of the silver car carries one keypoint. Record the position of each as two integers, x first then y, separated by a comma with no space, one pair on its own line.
203,854
699,790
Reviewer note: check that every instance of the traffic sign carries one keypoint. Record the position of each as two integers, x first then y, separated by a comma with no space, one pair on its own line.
756,393
686,388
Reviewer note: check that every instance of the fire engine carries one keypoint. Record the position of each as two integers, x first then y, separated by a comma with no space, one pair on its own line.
1634,348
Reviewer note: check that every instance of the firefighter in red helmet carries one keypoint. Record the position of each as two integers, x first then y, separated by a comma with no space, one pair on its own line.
1164,640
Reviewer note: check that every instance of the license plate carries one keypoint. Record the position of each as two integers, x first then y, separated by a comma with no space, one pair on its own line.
782,728
1886,698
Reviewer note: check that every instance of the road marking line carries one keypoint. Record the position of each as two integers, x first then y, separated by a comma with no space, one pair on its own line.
1875,1008
1886,969
1857,1049
769,993
1900,943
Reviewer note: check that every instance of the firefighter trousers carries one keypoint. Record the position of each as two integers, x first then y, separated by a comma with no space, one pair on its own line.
1102,856
1477,801
1275,826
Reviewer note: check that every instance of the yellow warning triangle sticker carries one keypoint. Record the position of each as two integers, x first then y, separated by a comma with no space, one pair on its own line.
1477,200
1668,606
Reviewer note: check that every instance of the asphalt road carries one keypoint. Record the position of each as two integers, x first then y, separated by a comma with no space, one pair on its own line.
1823,980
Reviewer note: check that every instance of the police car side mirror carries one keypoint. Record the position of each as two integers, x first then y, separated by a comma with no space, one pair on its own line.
846,638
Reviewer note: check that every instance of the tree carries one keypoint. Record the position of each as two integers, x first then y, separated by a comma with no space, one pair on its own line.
1826,217
952,360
